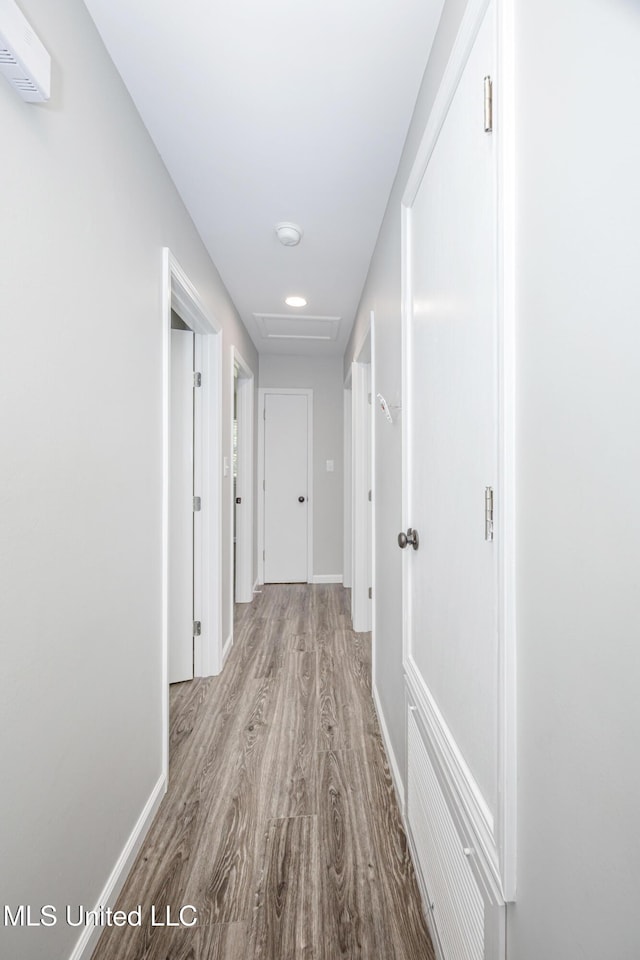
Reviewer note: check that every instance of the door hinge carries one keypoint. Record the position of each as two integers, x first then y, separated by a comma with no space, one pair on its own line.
197,379
264,413
488,513
263,556
197,628
488,104
197,504
369,496
370,593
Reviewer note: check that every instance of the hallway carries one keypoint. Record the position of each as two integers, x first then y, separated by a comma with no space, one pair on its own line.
280,825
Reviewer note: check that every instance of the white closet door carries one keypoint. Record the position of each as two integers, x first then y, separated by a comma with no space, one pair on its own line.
286,488
452,454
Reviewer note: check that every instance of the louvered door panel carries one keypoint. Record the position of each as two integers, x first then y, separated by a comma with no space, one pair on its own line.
457,904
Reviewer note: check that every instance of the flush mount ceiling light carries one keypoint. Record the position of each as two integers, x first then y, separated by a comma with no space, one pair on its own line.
289,234
296,302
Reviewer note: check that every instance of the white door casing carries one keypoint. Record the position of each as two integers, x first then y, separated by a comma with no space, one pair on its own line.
286,495
243,511
457,441
361,604
179,294
181,565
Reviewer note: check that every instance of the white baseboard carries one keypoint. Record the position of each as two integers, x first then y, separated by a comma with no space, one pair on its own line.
393,763
326,578
226,650
257,584
89,936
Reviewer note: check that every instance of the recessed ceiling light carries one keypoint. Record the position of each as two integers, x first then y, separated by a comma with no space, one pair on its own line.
296,302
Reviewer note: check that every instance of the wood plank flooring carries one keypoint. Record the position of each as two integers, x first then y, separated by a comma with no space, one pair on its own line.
280,825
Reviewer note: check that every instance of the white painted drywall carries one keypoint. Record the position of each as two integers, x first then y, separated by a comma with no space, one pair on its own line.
578,430
324,376
382,294
87,207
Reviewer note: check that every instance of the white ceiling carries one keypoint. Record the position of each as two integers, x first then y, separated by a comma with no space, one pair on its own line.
280,110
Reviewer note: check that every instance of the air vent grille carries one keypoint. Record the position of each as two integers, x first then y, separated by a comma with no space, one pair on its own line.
456,901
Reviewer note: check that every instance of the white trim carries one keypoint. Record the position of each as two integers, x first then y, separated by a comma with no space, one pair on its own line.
256,585
179,293
391,757
244,528
226,649
327,578
262,392
499,847
505,114
347,551
361,451
89,937
372,515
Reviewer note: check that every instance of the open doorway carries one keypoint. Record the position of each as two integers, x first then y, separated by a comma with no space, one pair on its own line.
362,527
242,436
192,492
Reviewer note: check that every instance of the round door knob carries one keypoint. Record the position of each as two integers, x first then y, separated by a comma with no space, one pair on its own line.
410,537
300,499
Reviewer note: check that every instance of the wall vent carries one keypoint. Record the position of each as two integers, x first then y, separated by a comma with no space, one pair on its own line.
23,59
456,902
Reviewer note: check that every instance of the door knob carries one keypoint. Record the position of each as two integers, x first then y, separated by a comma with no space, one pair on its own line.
410,537
301,499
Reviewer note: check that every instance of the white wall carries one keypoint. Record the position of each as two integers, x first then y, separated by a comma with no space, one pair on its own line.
578,421
86,208
578,511
324,376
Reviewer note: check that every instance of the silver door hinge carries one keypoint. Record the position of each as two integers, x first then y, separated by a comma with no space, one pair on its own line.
197,379
488,513
264,414
369,496
263,555
488,104
197,628
370,593
197,504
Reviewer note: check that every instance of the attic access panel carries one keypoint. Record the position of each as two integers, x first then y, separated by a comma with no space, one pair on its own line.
276,326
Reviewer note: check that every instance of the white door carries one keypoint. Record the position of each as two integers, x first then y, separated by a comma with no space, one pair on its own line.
286,487
181,508
451,428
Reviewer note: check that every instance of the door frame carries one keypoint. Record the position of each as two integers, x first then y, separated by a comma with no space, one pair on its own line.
299,391
500,841
242,590
179,293
347,551
362,480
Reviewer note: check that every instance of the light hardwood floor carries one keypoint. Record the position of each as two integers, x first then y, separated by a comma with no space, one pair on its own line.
280,824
